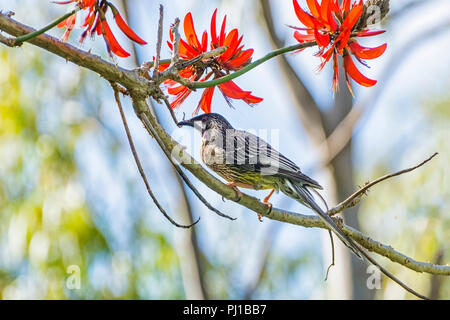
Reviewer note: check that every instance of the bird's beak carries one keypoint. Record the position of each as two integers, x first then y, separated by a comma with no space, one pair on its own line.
186,123
190,122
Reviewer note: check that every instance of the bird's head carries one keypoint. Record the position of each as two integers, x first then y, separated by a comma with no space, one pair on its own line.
207,121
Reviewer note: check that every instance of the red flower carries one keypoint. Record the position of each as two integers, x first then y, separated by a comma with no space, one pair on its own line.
234,58
95,21
335,28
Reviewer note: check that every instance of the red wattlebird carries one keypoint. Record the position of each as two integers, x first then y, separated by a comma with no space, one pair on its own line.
247,161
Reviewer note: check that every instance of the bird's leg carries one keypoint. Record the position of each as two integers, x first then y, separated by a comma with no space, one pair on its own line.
266,201
235,186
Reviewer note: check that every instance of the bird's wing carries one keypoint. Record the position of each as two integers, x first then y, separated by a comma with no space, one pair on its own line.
253,153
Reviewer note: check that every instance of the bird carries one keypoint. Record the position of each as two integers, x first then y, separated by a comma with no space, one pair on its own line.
247,161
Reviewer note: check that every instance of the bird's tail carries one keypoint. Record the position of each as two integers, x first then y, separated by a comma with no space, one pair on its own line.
302,194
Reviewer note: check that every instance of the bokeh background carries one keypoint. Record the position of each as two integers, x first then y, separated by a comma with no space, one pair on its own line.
70,193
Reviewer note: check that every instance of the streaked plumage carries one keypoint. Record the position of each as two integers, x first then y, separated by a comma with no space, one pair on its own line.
247,160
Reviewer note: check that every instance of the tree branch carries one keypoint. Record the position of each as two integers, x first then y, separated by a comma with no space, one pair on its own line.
254,204
129,79
139,88
355,198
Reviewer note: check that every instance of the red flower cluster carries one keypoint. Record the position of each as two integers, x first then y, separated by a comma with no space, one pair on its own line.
334,28
234,58
95,22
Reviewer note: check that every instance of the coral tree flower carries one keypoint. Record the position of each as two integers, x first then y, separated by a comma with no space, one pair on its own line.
335,28
95,22
232,59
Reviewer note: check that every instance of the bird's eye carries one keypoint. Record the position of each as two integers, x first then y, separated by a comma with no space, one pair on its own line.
204,119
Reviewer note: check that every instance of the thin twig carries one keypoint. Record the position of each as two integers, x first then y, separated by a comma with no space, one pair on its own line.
169,107
15,42
353,199
184,63
159,41
270,55
391,276
332,255
138,162
176,44
149,127
329,232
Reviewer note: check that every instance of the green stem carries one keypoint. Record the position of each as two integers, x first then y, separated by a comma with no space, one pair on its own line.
270,55
36,33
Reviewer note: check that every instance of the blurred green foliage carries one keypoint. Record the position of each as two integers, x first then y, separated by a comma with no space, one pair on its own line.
46,221
412,212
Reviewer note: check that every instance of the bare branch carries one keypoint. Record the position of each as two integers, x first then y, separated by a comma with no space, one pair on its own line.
129,79
182,64
391,276
170,109
356,197
176,44
159,41
138,162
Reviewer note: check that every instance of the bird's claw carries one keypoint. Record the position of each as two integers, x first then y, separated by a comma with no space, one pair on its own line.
269,206
238,192
260,217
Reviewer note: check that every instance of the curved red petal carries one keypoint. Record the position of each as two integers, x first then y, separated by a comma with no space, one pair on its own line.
324,8
176,90
331,21
342,40
189,32
354,73
180,98
64,23
222,31
112,42
300,37
352,17
367,53
127,30
335,73
205,101
326,57
214,39
188,50
163,67
230,42
323,40
304,17
345,6
205,41
252,99
369,33
232,90
241,59
314,7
